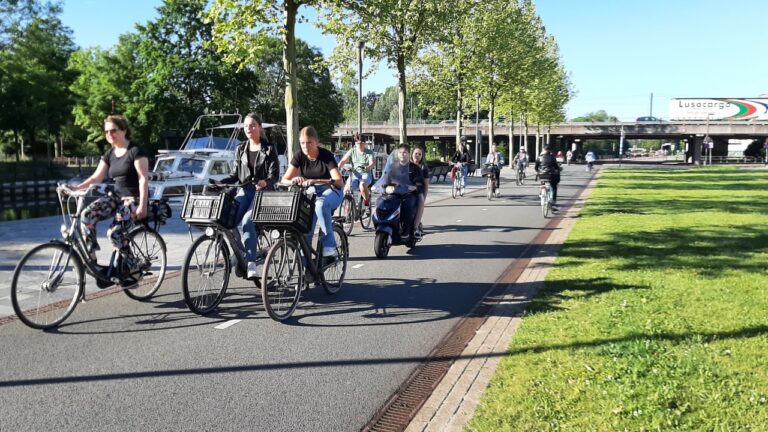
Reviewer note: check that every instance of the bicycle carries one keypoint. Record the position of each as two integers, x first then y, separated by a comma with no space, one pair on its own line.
492,182
352,207
49,280
283,277
520,173
209,260
545,195
458,176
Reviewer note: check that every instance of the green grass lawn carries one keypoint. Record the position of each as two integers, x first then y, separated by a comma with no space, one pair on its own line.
654,317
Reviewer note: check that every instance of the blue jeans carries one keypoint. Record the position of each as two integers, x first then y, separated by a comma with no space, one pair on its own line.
356,177
244,197
464,172
326,202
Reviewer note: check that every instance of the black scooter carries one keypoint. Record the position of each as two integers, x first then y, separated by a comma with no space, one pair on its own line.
392,227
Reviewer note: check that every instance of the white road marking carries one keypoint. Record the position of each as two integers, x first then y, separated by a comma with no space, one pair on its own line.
357,266
485,209
227,324
459,220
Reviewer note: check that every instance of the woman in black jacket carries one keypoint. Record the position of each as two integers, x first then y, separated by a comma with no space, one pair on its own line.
256,164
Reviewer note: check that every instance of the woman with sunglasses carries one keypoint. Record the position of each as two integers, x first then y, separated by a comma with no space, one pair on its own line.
127,164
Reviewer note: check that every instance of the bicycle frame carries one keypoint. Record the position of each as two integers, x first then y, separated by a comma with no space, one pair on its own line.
72,238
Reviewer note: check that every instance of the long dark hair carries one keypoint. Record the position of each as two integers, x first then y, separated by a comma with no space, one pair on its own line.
121,124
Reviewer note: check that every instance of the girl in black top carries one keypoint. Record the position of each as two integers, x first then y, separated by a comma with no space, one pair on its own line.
417,158
316,166
127,164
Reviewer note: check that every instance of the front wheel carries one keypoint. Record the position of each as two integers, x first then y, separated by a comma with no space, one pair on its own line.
333,274
282,279
489,187
461,188
381,245
366,213
347,210
46,286
149,249
205,274
454,188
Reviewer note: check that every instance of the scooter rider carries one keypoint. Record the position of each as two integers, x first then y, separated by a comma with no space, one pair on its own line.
402,177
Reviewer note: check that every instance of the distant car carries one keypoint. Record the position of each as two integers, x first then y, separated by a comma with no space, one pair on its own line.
647,119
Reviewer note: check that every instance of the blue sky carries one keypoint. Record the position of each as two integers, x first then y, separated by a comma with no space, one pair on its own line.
617,52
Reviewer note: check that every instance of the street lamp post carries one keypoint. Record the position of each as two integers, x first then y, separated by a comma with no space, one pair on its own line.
360,46
478,137
708,141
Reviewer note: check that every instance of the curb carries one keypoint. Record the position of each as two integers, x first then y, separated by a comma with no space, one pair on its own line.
454,401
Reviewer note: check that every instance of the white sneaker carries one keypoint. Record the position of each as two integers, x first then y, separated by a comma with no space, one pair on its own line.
252,271
329,251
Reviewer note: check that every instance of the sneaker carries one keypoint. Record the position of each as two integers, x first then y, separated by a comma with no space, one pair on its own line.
252,270
329,252
554,208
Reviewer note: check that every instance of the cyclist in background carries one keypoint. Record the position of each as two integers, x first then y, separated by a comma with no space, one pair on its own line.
590,158
548,169
462,156
494,160
362,162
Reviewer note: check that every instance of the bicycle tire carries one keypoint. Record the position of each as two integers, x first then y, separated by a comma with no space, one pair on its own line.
149,248
34,293
544,203
282,279
489,187
366,216
454,188
333,275
347,209
206,265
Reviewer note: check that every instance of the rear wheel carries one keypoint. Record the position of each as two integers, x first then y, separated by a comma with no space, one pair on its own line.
149,249
544,203
205,274
46,285
333,274
282,279
347,210
381,245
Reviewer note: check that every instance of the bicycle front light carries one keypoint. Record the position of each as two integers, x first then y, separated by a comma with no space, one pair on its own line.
64,231
209,231
275,234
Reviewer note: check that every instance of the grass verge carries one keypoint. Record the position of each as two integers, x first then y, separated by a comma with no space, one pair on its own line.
654,317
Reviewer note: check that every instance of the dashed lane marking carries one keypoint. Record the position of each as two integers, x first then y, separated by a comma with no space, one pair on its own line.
227,324
357,266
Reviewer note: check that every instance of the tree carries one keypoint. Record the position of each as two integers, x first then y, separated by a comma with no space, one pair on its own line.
34,101
394,30
241,31
596,116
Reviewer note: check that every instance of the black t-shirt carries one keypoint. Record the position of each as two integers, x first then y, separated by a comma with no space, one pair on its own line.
318,169
425,175
122,171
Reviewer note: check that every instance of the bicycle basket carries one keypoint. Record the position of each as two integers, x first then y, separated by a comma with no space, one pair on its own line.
208,210
279,209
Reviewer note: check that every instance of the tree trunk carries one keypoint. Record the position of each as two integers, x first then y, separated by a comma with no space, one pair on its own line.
538,140
491,110
524,124
459,115
511,148
401,97
289,69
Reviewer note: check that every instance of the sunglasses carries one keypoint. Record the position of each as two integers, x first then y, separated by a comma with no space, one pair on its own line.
110,131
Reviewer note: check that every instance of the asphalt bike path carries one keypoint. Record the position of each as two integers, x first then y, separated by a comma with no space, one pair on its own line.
121,364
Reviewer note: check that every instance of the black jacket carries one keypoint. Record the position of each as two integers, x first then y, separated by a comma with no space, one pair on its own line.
460,156
546,165
267,165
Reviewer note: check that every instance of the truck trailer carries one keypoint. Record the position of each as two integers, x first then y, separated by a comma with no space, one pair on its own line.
714,109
